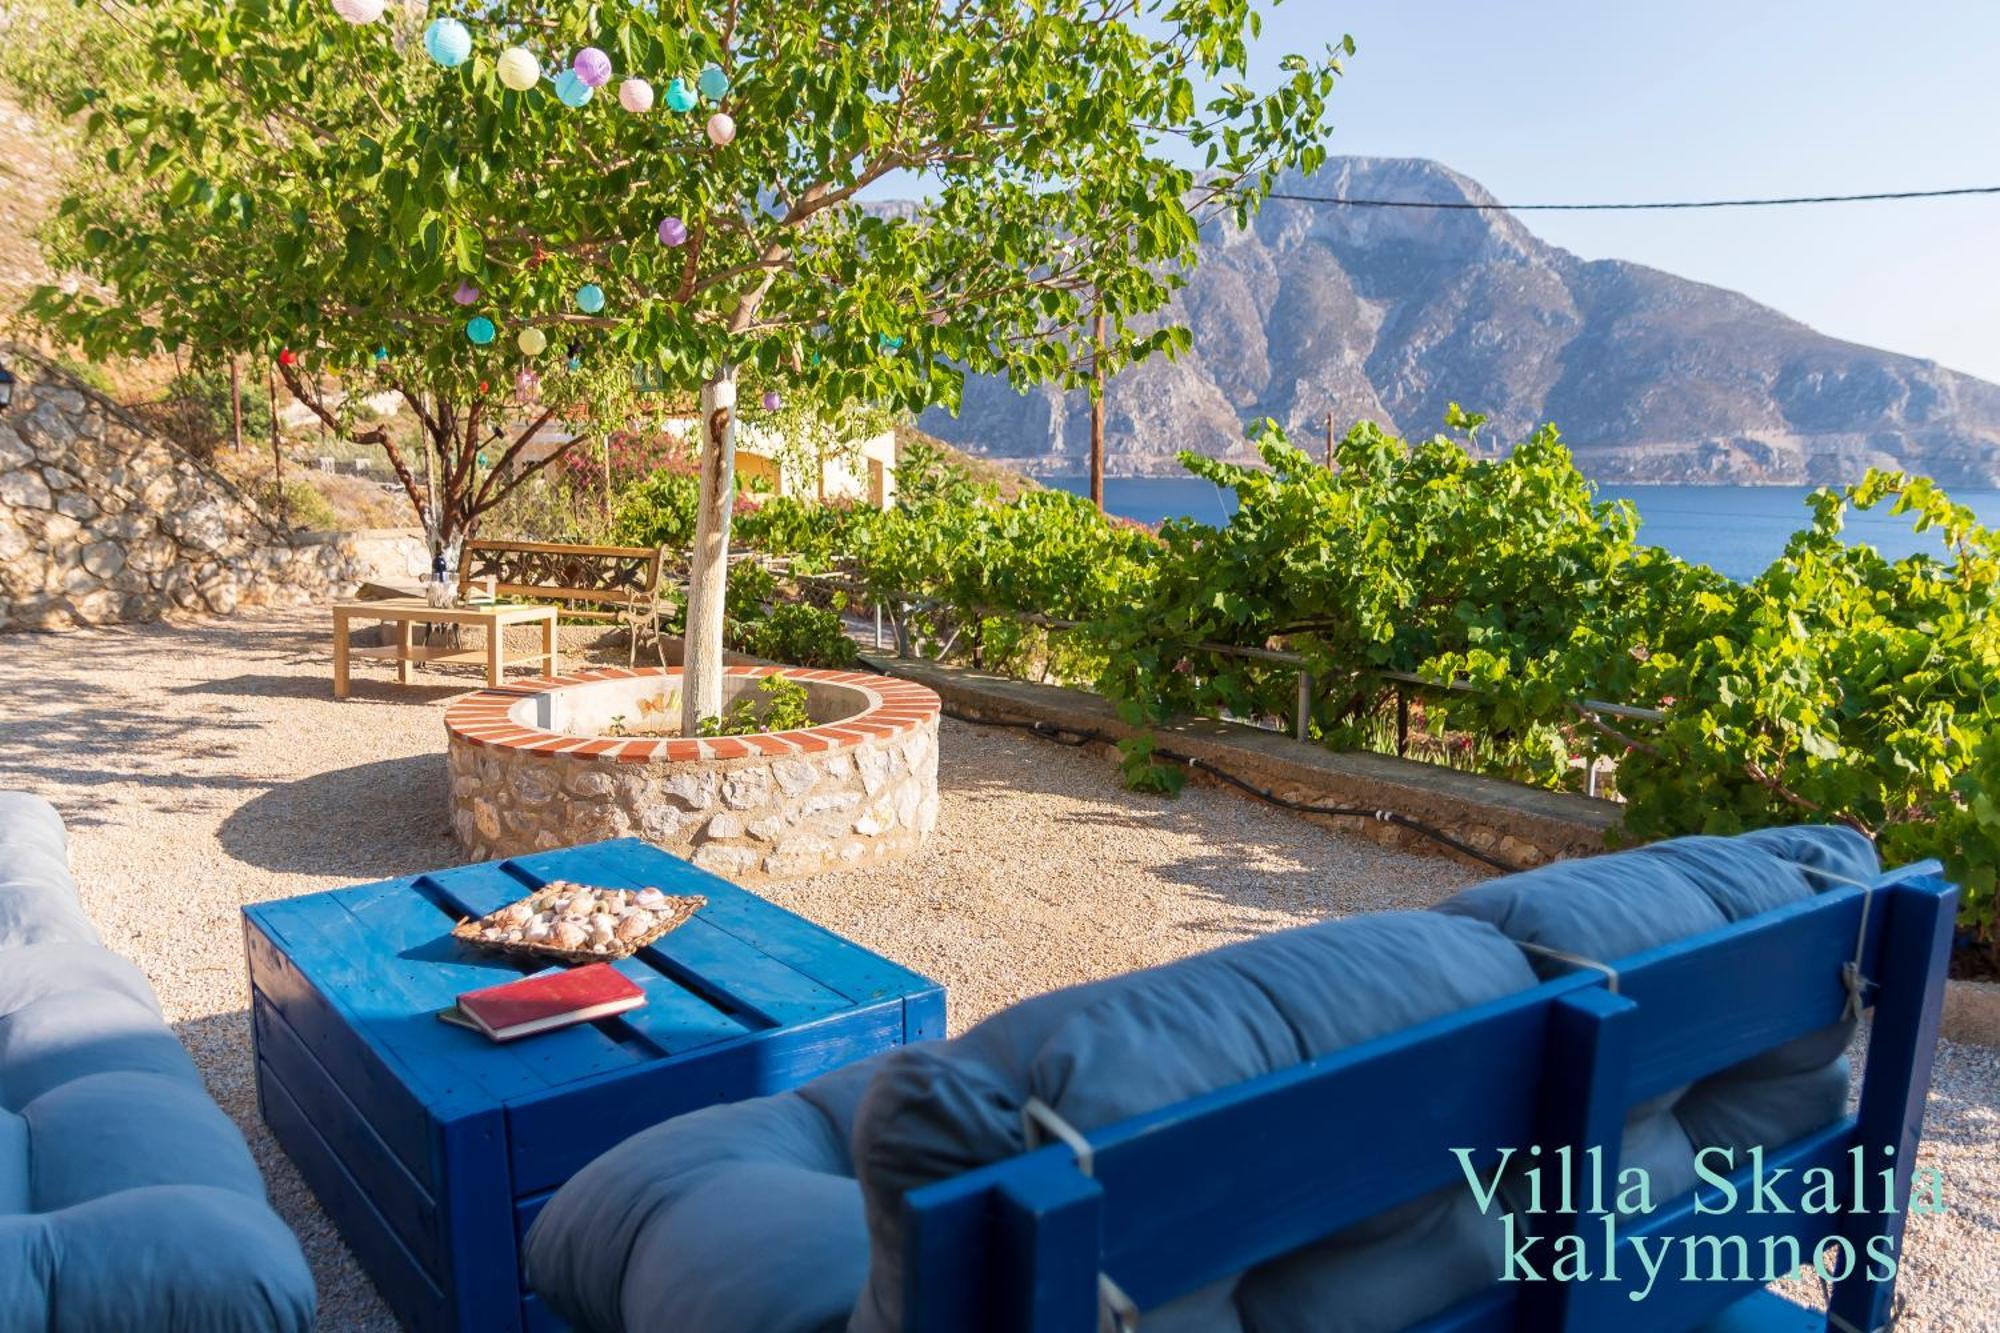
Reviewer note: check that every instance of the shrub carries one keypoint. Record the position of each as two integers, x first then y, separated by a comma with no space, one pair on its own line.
777,704
800,635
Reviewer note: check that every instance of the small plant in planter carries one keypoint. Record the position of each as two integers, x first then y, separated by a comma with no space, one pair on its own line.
776,704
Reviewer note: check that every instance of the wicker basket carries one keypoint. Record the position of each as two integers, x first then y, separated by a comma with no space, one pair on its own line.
672,914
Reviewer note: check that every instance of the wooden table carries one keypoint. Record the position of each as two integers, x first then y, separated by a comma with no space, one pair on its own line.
432,1148
409,612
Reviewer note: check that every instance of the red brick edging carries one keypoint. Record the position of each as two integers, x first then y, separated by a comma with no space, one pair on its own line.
894,706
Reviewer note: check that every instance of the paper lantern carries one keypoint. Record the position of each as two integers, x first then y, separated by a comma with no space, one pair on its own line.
466,294
448,42
590,298
673,231
636,96
713,83
359,11
381,354
518,69
721,129
592,66
532,342
571,89
525,385
680,97
772,400
288,357
480,330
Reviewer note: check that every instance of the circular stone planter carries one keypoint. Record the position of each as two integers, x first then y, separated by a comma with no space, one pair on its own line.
531,769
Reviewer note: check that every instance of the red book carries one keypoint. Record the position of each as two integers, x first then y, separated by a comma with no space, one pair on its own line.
550,1000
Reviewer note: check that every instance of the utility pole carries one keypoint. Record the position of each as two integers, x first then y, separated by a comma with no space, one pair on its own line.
1329,441
1097,416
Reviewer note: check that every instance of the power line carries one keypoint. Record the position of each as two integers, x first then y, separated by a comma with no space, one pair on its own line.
1471,207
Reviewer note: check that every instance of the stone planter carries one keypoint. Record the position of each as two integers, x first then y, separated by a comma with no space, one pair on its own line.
531,769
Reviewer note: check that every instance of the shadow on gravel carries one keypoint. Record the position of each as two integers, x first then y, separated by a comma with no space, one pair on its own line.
371,821
308,687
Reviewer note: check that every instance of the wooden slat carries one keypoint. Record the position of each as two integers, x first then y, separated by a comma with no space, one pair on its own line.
419,1303
398,1197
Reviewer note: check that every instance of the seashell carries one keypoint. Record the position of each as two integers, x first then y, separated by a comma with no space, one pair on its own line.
569,935
537,931
581,905
515,914
601,930
650,898
634,925
601,946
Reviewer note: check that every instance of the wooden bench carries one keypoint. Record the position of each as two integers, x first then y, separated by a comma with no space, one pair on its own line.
1169,1201
590,582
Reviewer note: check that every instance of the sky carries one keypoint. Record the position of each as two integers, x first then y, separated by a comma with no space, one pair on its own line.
1587,100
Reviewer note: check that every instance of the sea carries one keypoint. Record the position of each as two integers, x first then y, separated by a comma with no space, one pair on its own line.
1738,530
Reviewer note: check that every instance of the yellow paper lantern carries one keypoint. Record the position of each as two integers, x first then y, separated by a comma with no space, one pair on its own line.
532,341
519,69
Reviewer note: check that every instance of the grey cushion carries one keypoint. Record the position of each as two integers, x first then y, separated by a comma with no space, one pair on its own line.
1608,908
128,1200
1115,1048
744,1216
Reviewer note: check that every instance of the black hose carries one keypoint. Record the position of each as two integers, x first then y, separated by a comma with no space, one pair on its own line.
1076,737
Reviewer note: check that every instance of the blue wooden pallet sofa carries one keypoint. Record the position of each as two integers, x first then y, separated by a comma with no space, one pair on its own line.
1368,1124
128,1200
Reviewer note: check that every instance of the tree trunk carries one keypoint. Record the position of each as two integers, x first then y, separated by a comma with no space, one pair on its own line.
277,450
701,669
235,405
1097,418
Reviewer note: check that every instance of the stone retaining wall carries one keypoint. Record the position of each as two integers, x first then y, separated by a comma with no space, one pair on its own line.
853,791
1523,826
102,522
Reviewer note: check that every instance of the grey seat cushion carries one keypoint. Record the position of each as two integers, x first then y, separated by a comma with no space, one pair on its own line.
128,1200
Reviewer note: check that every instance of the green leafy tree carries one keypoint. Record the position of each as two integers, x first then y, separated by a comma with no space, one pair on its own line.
324,188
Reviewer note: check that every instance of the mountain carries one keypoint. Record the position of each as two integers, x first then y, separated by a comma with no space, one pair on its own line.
1390,314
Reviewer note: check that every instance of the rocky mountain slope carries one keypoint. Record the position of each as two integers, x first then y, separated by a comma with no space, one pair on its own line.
1389,314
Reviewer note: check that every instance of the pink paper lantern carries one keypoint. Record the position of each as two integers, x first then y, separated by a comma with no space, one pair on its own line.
673,231
466,294
359,12
636,96
772,400
721,129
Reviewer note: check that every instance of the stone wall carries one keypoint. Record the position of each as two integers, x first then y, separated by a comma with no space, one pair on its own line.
102,522
775,805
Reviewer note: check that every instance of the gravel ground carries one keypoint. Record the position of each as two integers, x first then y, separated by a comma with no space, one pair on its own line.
211,760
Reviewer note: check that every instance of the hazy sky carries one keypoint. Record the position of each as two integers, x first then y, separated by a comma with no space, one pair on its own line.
1561,100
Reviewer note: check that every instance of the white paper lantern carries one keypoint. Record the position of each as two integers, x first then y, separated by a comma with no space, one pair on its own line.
721,129
636,96
360,11
519,69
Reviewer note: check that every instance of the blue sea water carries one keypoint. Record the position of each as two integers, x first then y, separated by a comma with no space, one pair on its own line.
1738,530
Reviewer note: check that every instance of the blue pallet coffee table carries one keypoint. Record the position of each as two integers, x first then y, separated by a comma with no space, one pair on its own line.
432,1149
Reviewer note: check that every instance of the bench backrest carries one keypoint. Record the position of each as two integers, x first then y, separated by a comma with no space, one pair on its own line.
608,576
1208,1187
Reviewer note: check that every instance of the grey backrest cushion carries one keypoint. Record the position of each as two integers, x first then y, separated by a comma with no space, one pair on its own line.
1608,908
1101,1052
38,903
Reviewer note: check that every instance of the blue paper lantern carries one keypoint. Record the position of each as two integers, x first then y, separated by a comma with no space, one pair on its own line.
713,83
680,97
381,354
572,90
590,298
480,330
448,42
